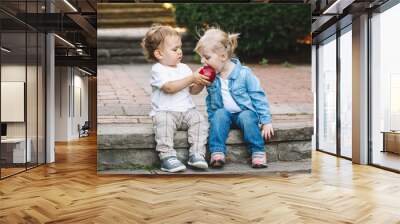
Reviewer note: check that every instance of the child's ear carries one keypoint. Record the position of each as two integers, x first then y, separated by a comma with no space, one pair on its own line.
224,56
158,54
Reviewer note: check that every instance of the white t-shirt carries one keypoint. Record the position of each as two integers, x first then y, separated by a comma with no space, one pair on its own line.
229,103
161,101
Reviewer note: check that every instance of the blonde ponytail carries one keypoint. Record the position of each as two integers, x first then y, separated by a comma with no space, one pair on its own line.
218,40
233,43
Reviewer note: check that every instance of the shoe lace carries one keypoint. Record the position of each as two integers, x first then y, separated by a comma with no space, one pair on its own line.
174,161
197,157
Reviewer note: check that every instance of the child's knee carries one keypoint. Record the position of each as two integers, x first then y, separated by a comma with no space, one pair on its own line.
248,117
195,117
221,115
162,117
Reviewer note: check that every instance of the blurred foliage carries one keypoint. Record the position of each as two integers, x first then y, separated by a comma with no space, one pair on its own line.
286,64
263,61
265,29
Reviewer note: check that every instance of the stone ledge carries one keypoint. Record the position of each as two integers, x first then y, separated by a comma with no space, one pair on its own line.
139,136
274,168
129,146
132,158
126,34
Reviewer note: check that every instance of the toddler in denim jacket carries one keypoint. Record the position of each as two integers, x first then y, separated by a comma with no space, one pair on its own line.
235,98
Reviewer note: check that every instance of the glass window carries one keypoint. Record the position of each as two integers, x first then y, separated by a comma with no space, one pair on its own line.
327,95
346,92
31,96
385,89
41,98
14,153
22,90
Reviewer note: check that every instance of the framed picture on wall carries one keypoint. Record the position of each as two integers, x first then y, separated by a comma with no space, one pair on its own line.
12,101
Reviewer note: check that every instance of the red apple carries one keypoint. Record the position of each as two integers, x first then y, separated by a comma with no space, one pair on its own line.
209,72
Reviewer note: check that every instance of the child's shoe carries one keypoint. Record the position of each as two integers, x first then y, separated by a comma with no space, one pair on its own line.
172,164
259,160
217,160
197,161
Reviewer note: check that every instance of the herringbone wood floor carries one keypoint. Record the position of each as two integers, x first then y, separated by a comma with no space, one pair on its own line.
69,191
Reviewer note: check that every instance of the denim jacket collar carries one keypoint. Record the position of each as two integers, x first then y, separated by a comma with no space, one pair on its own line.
236,71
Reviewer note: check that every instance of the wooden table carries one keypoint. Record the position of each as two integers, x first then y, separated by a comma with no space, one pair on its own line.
391,141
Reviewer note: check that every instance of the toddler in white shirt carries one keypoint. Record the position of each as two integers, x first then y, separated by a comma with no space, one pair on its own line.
172,106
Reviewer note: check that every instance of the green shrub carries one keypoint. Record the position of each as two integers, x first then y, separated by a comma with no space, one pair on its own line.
196,58
265,29
263,61
286,64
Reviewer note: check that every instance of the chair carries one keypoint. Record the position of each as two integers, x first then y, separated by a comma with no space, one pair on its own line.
84,130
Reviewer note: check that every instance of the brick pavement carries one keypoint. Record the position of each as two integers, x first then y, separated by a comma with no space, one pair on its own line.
124,92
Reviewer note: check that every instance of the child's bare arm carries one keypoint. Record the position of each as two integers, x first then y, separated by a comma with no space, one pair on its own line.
172,87
196,89
177,85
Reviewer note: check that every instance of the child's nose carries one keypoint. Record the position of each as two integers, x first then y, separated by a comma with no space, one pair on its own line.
203,61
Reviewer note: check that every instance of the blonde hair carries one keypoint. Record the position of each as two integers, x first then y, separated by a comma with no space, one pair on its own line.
155,37
218,39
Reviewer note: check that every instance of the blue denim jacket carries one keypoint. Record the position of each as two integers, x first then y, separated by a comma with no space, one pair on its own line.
245,89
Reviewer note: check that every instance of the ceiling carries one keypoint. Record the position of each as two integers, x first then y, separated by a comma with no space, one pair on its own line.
74,22
326,13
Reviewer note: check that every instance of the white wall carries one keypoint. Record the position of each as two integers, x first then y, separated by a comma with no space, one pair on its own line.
69,85
327,95
62,81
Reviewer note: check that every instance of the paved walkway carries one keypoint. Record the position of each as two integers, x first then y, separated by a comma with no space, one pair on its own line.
124,92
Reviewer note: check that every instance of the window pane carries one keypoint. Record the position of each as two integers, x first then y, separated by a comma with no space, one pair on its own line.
14,151
327,95
346,94
386,88
31,97
41,98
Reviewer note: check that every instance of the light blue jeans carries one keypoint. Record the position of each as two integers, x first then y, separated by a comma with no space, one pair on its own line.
222,121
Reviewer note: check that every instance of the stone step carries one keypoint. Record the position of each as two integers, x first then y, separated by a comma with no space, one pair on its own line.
109,58
128,146
122,41
274,168
122,46
303,119
134,22
116,5
130,47
132,54
134,13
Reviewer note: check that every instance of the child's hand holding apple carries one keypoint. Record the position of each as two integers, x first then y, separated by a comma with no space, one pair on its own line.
208,72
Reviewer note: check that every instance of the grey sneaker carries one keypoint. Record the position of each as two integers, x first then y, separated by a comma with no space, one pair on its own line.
197,161
172,165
